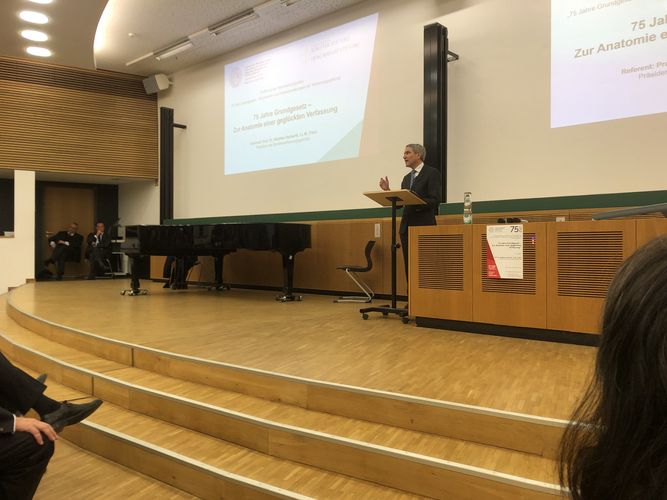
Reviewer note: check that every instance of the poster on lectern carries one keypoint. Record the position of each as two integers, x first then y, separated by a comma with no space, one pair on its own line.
504,251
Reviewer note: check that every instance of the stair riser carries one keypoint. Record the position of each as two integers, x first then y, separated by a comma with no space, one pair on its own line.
189,477
495,428
393,468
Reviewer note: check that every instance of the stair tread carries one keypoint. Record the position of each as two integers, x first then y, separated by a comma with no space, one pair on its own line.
76,474
9,327
292,476
451,449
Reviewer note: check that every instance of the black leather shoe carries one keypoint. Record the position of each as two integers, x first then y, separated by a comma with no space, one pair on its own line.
70,414
42,378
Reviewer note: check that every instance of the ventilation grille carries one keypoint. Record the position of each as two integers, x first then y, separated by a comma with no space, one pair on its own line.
587,262
441,261
527,285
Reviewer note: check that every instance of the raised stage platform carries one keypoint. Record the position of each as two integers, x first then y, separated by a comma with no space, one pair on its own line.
404,410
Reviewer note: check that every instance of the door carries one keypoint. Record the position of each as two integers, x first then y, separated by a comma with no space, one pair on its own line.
61,207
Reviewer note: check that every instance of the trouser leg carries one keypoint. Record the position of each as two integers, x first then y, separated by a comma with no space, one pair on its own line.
18,390
97,265
22,464
404,248
59,256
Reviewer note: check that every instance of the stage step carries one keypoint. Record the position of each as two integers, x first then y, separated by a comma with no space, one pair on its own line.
76,474
526,433
421,463
199,464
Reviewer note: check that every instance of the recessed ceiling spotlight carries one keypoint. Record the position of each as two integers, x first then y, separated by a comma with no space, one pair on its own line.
35,36
43,2
33,17
38,51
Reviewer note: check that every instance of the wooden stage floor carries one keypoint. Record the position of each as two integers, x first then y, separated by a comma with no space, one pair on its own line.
324,341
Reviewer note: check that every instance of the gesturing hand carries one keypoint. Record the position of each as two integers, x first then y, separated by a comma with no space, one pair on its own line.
384,183
36,428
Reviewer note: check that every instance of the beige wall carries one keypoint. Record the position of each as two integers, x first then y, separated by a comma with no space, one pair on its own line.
139,203
500,142
17,254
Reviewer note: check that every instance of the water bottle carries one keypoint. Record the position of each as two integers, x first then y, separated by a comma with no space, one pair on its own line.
467,208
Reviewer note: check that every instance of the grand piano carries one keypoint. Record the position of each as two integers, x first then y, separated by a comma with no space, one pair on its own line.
217,240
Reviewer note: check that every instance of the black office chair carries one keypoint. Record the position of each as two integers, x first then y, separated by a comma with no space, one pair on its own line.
352,271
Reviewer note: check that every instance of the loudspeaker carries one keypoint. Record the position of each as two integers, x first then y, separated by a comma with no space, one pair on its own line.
155,83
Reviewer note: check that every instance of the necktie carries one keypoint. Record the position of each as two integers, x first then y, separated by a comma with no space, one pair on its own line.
413,174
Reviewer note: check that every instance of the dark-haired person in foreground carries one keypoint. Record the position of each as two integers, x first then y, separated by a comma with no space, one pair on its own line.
616,444
27,444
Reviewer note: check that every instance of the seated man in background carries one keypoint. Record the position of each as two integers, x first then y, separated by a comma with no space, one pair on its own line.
27,444
66,247
98,251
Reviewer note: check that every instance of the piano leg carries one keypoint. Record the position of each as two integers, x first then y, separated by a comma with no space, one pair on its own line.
288,280
135,290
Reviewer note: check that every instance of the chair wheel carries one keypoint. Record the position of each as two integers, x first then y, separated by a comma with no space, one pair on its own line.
364,316
405,320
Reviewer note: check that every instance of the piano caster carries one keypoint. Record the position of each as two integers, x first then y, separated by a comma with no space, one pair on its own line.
131,293
289,298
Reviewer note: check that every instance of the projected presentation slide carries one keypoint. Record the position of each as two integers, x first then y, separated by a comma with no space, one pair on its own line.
608,60
300,103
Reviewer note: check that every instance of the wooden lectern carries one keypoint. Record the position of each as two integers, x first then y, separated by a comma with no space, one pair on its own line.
392,199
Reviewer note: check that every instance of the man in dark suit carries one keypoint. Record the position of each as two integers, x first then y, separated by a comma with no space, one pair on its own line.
26,444
66,247
426,183
98,250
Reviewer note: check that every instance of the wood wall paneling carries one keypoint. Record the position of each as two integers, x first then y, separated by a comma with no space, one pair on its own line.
582,259
58,119
509,301
648,229
441,269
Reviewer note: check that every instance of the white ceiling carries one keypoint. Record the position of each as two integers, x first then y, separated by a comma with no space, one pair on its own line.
154,24
71,29
130,29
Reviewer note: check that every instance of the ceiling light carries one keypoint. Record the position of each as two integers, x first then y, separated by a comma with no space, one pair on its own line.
38,51
139,59
232,22
173,50
43,2
33,17
35,36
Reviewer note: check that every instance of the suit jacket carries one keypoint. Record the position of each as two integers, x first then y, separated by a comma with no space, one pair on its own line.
428,186
103,245
6,421
73,253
